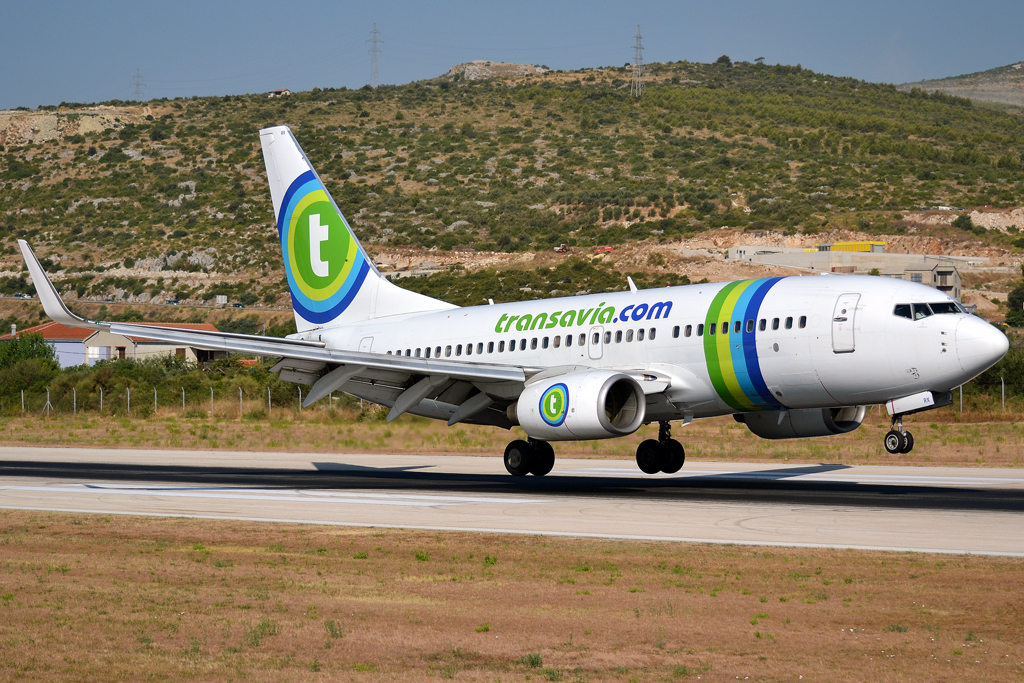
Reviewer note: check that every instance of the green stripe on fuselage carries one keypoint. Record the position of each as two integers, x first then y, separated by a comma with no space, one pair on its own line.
717,353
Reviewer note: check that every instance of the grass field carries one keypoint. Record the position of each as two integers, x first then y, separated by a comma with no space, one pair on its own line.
107,598
943,437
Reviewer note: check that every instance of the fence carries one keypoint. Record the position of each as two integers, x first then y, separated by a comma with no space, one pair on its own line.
144,402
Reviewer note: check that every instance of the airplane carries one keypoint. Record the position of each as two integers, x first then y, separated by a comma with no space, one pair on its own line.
789,357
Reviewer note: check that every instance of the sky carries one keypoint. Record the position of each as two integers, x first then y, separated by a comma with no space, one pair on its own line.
53,52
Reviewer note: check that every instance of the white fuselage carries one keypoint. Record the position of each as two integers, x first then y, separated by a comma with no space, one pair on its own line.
795,342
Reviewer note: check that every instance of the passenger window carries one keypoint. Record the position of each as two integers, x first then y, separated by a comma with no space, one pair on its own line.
618,337
775,323
803,321
689,331
512,346
447,351
469,349
544,343
750,326
568,340
389,353
480,347
458,350
418,352
903,311
558,341
789,323
725,327
629,335
700,330
597,338
921,311
651,335
490,347
437,352
583,338
640,334
522,344
763,325
675,332
533,344
428,352
501,346
607,337
736,327
711,329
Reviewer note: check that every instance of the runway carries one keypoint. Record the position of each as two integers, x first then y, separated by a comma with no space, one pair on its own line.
945,510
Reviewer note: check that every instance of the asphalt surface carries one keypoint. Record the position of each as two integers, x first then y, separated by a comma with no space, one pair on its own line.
952,510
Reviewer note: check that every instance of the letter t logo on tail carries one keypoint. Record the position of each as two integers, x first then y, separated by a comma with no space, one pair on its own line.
318,234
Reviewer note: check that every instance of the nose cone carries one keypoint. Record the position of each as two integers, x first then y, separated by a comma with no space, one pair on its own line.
979,345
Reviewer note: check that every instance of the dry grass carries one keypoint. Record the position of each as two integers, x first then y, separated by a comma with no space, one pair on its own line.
91,598
940,439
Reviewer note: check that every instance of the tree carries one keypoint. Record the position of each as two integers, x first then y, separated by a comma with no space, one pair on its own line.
724,59
963,221
24,347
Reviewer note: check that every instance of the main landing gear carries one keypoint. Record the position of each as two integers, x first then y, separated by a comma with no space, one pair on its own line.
898,440
664,455
529,457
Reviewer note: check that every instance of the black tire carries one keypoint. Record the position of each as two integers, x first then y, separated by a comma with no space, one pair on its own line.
543,458
675,456
650,456
895,442
519,456
910,442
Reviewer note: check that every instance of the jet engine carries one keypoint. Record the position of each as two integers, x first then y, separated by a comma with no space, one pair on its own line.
592,404
798,424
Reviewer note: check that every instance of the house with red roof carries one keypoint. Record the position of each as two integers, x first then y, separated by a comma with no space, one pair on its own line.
80,346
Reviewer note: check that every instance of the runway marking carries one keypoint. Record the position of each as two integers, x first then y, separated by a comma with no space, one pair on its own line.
528,532
282,495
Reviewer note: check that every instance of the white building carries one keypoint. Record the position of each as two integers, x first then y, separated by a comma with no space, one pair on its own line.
78,346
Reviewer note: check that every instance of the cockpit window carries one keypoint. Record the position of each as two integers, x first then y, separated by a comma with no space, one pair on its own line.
945,307
903,311
921,311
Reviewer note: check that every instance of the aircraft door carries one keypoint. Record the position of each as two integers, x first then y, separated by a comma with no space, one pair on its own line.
843,321
595,342
365,344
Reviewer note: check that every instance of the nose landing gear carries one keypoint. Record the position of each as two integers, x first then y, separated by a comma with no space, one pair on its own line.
529,457
664,455
898,440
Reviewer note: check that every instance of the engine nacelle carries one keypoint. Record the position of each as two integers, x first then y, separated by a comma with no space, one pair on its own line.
593,404
798,424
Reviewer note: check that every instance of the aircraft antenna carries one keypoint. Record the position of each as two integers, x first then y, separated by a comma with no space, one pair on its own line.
374,41
636,86
139,85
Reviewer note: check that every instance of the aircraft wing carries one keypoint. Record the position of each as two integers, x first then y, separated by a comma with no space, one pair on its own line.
437,388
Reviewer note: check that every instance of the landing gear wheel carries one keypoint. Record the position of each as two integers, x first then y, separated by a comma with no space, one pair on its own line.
910,442
519,455
650,456
895,442
543,458
675,456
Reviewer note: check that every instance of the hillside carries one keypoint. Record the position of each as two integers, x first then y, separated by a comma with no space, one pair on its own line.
144,203
1004,84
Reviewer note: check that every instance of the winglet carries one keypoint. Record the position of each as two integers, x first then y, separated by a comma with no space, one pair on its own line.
632,285
48,296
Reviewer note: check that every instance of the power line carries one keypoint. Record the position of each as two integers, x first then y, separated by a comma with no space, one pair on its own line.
139,85
636,86
374,52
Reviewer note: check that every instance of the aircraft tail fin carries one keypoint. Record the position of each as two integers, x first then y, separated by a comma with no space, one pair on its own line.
331,278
